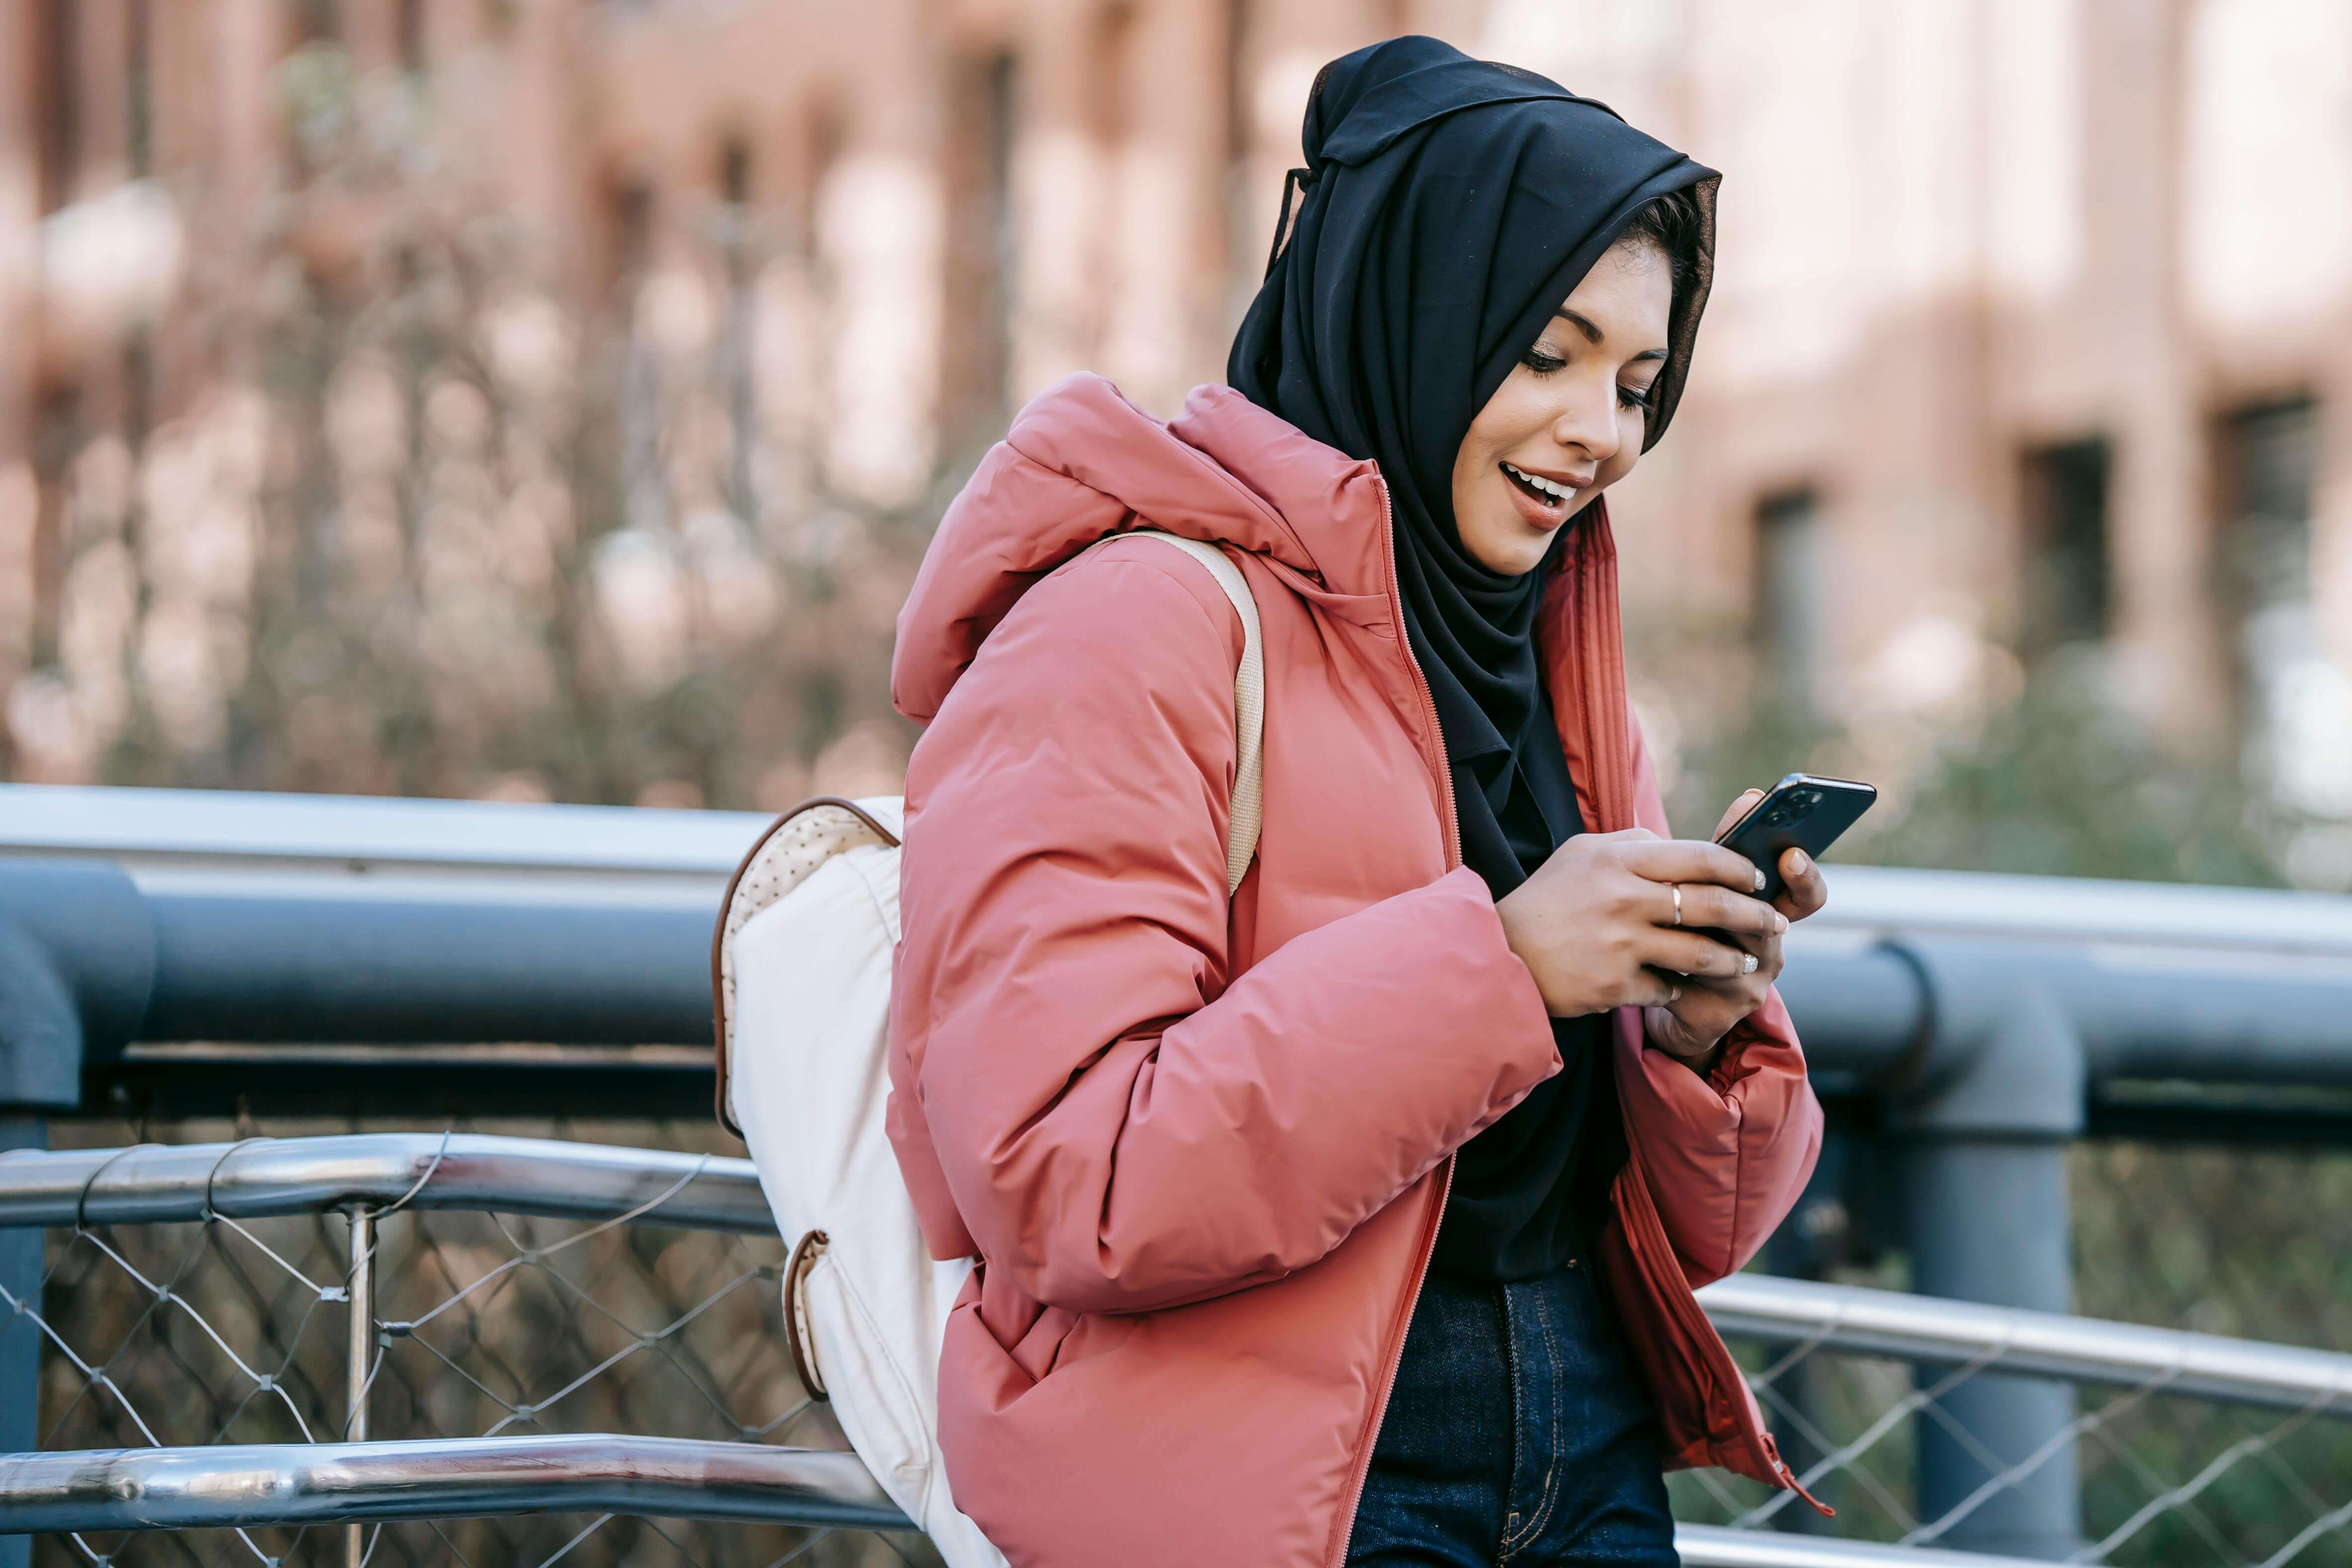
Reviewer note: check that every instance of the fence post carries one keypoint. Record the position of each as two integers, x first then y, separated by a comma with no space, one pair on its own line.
77,959
1983,1135
20,1340
358,1360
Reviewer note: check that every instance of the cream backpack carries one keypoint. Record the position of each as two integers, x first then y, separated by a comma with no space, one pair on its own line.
801,981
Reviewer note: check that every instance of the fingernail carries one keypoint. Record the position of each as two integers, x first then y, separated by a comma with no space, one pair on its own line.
1801,864
1751,968
1760,879
1779,922
1674,994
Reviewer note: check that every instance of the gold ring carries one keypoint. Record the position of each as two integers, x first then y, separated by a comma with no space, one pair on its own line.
1677,887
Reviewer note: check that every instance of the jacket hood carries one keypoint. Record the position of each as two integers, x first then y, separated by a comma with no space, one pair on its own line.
1081,462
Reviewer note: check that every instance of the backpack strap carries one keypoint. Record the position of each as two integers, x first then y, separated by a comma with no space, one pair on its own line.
1249,702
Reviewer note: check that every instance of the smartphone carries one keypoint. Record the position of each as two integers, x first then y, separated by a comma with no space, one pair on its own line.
1801,812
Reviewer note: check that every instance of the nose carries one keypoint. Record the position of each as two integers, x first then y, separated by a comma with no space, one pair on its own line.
1587,423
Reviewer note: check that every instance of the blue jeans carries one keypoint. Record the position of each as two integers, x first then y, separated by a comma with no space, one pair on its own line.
1515,1436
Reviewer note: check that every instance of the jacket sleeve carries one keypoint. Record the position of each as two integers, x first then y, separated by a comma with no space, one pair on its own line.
1121,1124
1727,1154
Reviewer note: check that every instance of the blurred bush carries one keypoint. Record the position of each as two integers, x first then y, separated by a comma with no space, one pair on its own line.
2056,781
426,525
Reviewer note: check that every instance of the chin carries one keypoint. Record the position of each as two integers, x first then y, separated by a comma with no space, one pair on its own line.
1513,557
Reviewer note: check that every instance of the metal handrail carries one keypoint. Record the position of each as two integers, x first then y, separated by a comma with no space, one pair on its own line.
323,1483
1934,1331
163,830
160,1184
170,836
320,922
1711,1546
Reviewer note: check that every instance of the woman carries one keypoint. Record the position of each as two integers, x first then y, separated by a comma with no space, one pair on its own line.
1356,1219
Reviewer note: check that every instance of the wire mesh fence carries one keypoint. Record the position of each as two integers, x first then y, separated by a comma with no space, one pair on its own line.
235,1329
2166,1477
486,1324
2249,1242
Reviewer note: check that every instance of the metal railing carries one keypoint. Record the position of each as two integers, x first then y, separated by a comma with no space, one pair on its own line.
648,1476
330,1483
159,1184
92,1194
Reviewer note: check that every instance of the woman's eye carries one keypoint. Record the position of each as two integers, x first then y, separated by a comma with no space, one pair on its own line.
1542,361
1633,397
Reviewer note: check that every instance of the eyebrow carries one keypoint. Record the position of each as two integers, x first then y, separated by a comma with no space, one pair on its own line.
1594,334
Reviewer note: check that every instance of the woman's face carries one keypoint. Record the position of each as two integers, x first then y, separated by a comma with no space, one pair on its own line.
1568,421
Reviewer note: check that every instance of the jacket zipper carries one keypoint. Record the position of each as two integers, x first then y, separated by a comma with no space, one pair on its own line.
1708,1344
1445,1180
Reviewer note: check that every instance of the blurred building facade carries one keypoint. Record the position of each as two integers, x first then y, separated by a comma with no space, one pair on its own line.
2029,342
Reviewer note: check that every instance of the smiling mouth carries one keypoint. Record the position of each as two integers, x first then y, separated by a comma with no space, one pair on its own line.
1544,491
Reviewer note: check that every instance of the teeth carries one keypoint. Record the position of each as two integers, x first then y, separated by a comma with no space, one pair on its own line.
1557,492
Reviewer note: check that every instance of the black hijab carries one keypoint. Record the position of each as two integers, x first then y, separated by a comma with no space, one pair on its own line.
1448,206
1446,209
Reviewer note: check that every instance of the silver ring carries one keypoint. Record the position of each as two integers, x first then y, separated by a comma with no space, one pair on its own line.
1677,887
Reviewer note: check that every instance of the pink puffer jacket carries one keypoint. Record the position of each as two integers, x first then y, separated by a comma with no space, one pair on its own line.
1202,1150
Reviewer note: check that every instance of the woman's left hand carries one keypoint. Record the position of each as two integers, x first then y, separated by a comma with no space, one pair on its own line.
1692,1028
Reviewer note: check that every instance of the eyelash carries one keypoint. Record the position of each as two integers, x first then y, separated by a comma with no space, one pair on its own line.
1543,364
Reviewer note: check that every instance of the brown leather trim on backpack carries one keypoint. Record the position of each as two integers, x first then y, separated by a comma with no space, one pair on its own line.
718,939
806,1252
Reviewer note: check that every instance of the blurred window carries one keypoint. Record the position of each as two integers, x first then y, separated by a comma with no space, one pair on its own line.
735,172
629,228
984,261
2297,702
318,21
2066,567
57,58
409,28
2267,465
1789,594
1245,202
138,87
737,245
1112,75
1236,66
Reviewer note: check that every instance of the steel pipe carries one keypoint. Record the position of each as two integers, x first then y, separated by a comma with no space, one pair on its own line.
549,967
163,1184
1929,1329
1707,1546
295,917
159,833
465,1478
1859,1010
299,1484
163,836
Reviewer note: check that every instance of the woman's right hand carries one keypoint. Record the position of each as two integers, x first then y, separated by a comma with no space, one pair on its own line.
1595,924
